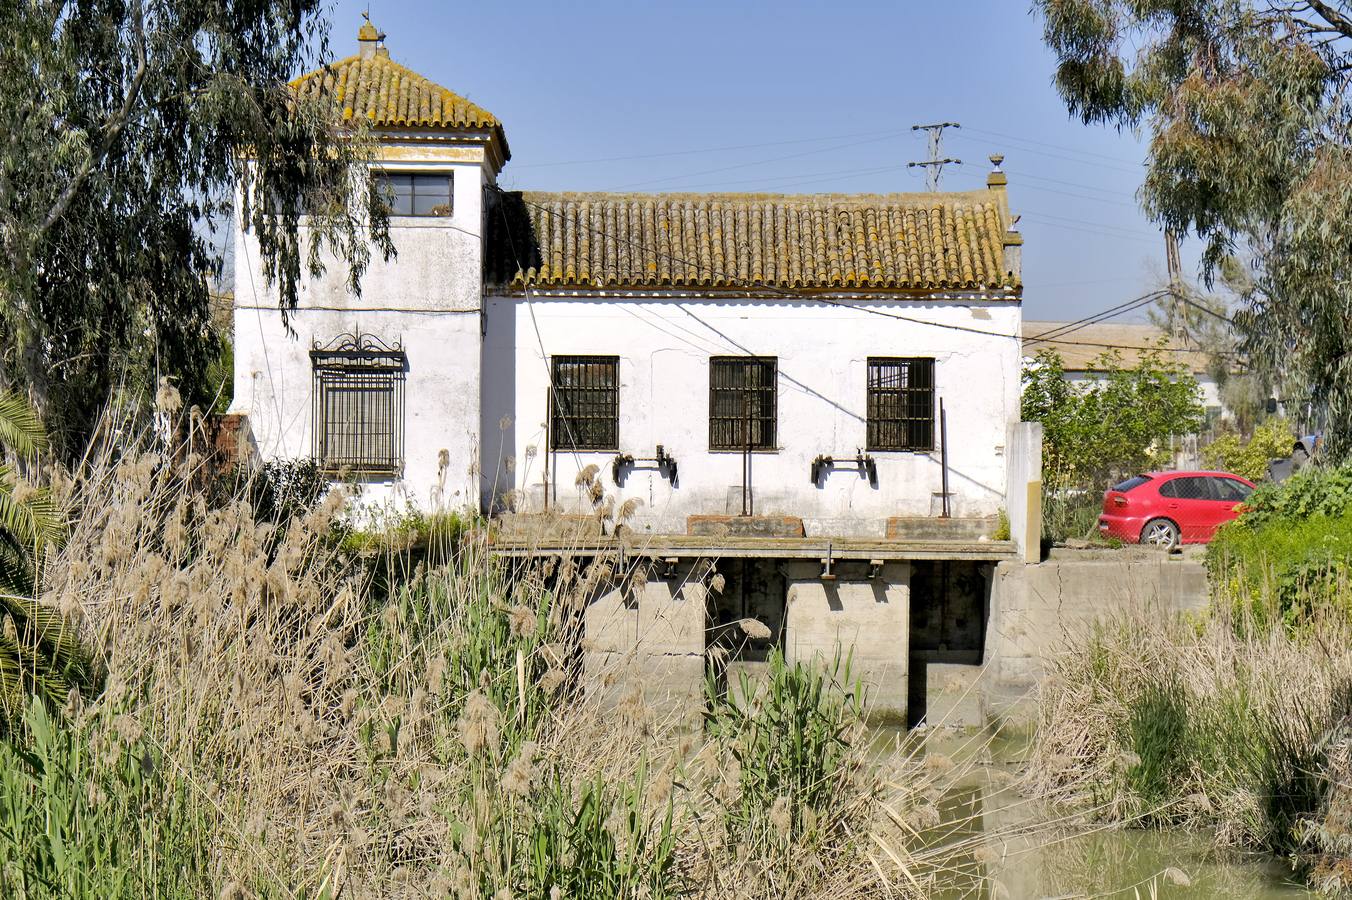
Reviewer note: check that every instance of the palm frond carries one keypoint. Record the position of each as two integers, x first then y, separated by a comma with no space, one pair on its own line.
21,429
33,517
18,575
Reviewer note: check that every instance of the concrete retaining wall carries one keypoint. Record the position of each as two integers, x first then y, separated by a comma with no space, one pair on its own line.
1037,610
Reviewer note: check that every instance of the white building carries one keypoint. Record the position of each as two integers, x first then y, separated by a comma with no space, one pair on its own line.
520,338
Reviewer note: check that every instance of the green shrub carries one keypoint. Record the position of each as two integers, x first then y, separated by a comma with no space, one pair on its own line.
1288,558
1271,440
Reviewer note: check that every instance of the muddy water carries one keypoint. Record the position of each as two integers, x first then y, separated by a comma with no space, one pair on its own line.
1020,851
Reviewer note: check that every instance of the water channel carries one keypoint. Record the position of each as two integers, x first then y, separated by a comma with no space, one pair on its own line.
1020,850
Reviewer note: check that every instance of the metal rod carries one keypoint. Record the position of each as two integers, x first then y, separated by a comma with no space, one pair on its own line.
549,436
943,451
746,451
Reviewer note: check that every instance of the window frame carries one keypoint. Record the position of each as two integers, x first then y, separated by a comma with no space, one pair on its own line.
361,374
903,397
765,364
381,178
561,394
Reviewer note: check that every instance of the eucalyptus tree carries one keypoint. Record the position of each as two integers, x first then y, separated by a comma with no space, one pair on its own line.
1246,106
125,128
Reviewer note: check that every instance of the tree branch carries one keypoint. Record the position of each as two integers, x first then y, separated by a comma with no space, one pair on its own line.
112,128
1336,19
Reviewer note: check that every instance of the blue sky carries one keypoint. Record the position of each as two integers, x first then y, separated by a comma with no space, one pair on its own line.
794,97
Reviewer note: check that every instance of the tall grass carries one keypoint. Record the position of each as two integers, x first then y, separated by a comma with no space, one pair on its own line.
278,721
1182,723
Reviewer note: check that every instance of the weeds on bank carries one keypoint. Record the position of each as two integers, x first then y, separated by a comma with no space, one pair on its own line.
278,721
1205,724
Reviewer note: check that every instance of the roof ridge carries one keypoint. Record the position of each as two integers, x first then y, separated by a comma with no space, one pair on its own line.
979,194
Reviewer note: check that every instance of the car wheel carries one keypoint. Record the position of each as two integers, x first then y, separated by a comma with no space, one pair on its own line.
1160,533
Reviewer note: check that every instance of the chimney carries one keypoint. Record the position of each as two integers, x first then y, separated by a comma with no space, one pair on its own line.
370,41
997,181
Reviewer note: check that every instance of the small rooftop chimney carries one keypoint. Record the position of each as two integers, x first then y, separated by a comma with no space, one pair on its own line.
997,181
370,40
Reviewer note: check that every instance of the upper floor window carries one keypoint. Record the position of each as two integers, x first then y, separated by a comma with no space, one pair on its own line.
900,403
584,403
359,405
743,402
414,194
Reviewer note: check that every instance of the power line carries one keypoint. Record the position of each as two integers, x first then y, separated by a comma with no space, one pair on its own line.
694,152
1111,312
750,286
1136,170
757,162
1012,137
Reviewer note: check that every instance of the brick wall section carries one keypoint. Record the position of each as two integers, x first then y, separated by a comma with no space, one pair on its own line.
232,441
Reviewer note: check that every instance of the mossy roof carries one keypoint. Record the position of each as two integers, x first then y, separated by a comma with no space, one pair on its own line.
888,242
388,96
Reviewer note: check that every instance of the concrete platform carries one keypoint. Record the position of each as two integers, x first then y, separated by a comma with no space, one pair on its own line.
688,547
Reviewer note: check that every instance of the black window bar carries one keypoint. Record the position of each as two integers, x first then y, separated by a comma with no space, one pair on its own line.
585,405
743,400
359,405
900,403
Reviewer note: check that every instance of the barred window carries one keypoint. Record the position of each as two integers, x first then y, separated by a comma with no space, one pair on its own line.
359,406
408,194
585,403
900,403
743,401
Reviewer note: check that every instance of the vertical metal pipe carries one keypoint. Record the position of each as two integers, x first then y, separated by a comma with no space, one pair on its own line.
549,436
943,451
746,450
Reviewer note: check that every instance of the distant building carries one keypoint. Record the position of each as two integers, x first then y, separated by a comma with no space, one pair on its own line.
1080,351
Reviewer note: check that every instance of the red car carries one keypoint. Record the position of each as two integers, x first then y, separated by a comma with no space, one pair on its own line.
1171,508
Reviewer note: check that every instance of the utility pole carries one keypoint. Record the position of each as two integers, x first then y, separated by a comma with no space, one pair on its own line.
934,166
1177,322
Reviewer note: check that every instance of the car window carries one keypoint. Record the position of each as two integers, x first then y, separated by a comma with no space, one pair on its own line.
1187,488
1124,486
1230,490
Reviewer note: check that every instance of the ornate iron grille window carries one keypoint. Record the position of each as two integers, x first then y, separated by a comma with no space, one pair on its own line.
407,194
585,403
900,403
743,401
359,405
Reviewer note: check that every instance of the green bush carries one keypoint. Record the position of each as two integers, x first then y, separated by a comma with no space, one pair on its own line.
1288,559
1271,440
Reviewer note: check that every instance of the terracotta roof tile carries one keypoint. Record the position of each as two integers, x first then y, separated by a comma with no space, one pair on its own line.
389,95
908,242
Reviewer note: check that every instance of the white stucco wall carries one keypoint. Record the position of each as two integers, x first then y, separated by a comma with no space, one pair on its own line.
664,346
427,298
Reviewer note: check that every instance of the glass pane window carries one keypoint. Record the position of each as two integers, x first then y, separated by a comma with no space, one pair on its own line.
900,403
584,403
743,402
1230,490
1189,488
414,194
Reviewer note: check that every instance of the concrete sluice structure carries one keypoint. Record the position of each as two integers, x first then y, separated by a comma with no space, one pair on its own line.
948,633
909,617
